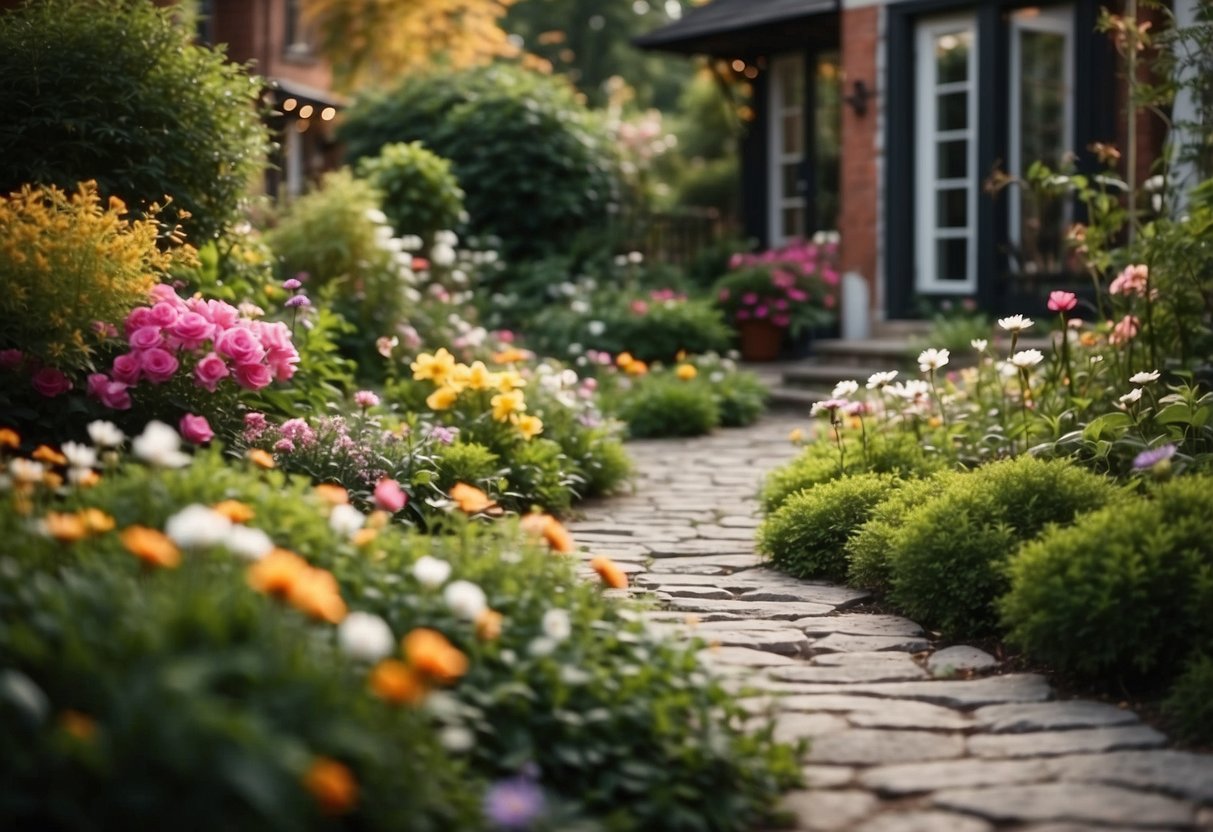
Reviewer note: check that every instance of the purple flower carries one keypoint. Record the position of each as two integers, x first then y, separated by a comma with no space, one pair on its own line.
443,434
1148,459
291,285
297,302
514,803
365,399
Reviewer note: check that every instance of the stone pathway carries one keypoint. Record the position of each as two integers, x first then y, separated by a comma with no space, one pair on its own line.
903,738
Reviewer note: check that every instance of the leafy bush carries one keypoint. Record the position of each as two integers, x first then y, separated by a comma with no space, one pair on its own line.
1188,707
533,162
1150,557
165,117
867,550
465,462
540,473
807,536
741,396
667,406
948,561
420,194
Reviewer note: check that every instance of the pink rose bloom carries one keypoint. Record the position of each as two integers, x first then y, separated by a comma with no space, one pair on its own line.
162,292
11,359
506,336
639,307
223,315
829,301
735,261
798,295
253,376
366,398
126,368
282,363
749,298
113,394
138,318
50,382
195,429
1062,301
389,496
830,276
192,329
273,336
165,314
210,371
781,304
1131,281
255,424
297,430
158,365
284,446
146,337
590,384
760,311
1126,330
240,345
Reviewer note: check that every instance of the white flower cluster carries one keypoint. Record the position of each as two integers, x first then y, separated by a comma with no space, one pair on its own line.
201,527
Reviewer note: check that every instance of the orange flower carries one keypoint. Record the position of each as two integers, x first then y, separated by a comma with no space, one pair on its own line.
9,438
234,510
511,355
550,529
85,477
52,480
394,681
78,725
430,654
636,368
686,372
333,786
488,625
66,528
150,546
97,521
261,459
609,571
623,360
315,593
47,454
470,499
378,519
275,573
365,537
332,494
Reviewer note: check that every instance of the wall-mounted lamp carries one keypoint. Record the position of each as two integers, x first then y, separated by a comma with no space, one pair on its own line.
858,99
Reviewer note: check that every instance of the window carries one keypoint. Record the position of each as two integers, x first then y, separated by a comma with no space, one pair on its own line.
946,150
1041,129
296,40
827,117
787,132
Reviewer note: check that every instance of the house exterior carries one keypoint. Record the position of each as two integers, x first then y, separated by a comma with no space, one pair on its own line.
883,119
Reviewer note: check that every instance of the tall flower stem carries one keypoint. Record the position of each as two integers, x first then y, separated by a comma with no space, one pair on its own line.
1023,406
836,423
943,414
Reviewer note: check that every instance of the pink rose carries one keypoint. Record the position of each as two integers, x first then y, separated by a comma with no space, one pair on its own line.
389,496
162,292
139,317
1062,301
113,394
158,365
239,345
192,329
1126,330
273,336
50,382
749,298
253,376
126,368
798,295
283,362
195,429
210,371
11,359
223,315
165,314
146,337
639,307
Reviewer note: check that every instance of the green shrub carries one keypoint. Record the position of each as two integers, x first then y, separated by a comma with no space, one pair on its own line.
465,462
540,474
741,397
667,406
118,92
420,194
807,536
534,164
867,550
890,453
1189,708
948,563
1126,589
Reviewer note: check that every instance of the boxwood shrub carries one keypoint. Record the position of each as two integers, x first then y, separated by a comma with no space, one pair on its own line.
867,550
1189,707
662,405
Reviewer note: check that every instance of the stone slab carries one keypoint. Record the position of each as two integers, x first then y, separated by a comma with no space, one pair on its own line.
992,690
901,780
853,673
827,811
828,777
959,658
784,611
716,565
1181,773
1082,803
860,624
791,728
917,821
837,596
743,656
1057,743
842,643
872,712
695,546
1047,716
865,747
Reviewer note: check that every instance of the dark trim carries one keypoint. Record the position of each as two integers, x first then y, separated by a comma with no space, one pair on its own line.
755,150
808,166
991,220
899,265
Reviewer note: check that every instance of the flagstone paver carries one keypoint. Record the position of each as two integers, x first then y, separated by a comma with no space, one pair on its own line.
902,737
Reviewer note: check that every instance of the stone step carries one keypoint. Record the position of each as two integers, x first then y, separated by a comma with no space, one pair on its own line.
887,353
825,376
788,399
900,328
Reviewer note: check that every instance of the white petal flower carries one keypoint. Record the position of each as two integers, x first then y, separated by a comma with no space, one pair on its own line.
442,255
878,381
26,471
1132,396
344,519
556,624
979,344
1025,359
1015,323
248,542
431,572
457,739
595,328
78,455
105,434
365,637
465,599
160,445
932,359
1136,378
845,388
197,527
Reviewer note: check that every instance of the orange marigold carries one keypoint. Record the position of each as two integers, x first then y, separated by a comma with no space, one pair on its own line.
9,438
315,592
47,454
550,529
234,510
430,654
609,571
65,528
470,499
262,459
333,786
332,494
394,681
488,625
152,547
97,521
277,572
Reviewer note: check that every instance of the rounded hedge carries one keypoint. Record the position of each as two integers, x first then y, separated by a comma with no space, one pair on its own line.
807,536
1189,708
669,407
947,564
117,91
867,550
534,163
419,193
1128,589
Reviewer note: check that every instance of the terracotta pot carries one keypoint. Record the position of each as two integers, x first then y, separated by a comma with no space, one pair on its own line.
760,340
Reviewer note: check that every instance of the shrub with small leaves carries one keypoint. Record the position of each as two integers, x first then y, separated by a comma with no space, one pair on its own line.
1189,708
420,194
807,535
867,550
467,462
667,406
948,563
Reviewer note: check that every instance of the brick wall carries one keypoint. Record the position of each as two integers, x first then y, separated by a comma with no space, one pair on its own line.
859,177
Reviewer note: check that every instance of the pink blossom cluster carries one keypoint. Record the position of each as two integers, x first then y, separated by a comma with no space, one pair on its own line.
208,339
1134,280
805,257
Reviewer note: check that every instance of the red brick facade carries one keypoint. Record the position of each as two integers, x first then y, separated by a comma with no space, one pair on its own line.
859,184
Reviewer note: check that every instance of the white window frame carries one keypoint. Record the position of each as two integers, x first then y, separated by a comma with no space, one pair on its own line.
927,89
776,152
1056,20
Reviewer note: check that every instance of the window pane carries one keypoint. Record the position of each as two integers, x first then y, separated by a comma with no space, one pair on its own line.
954,111
793,222
791,181
952,259
1042,99
952,208
793,133
826,122
792,83
952,56
953,159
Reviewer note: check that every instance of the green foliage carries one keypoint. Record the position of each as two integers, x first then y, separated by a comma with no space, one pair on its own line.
1189,708
948,561
1150,557
420,194
663,405
867,550
807,535
953,329
465,462
741,396
164,117
540,474
533,162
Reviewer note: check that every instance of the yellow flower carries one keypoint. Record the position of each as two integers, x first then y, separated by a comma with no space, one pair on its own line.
365,536
457,378
511,355
97,521
506,403
509,381
479,377
150,546
623,360
332,785
681,355
796,436
434,367
686,372
528,426
443,398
